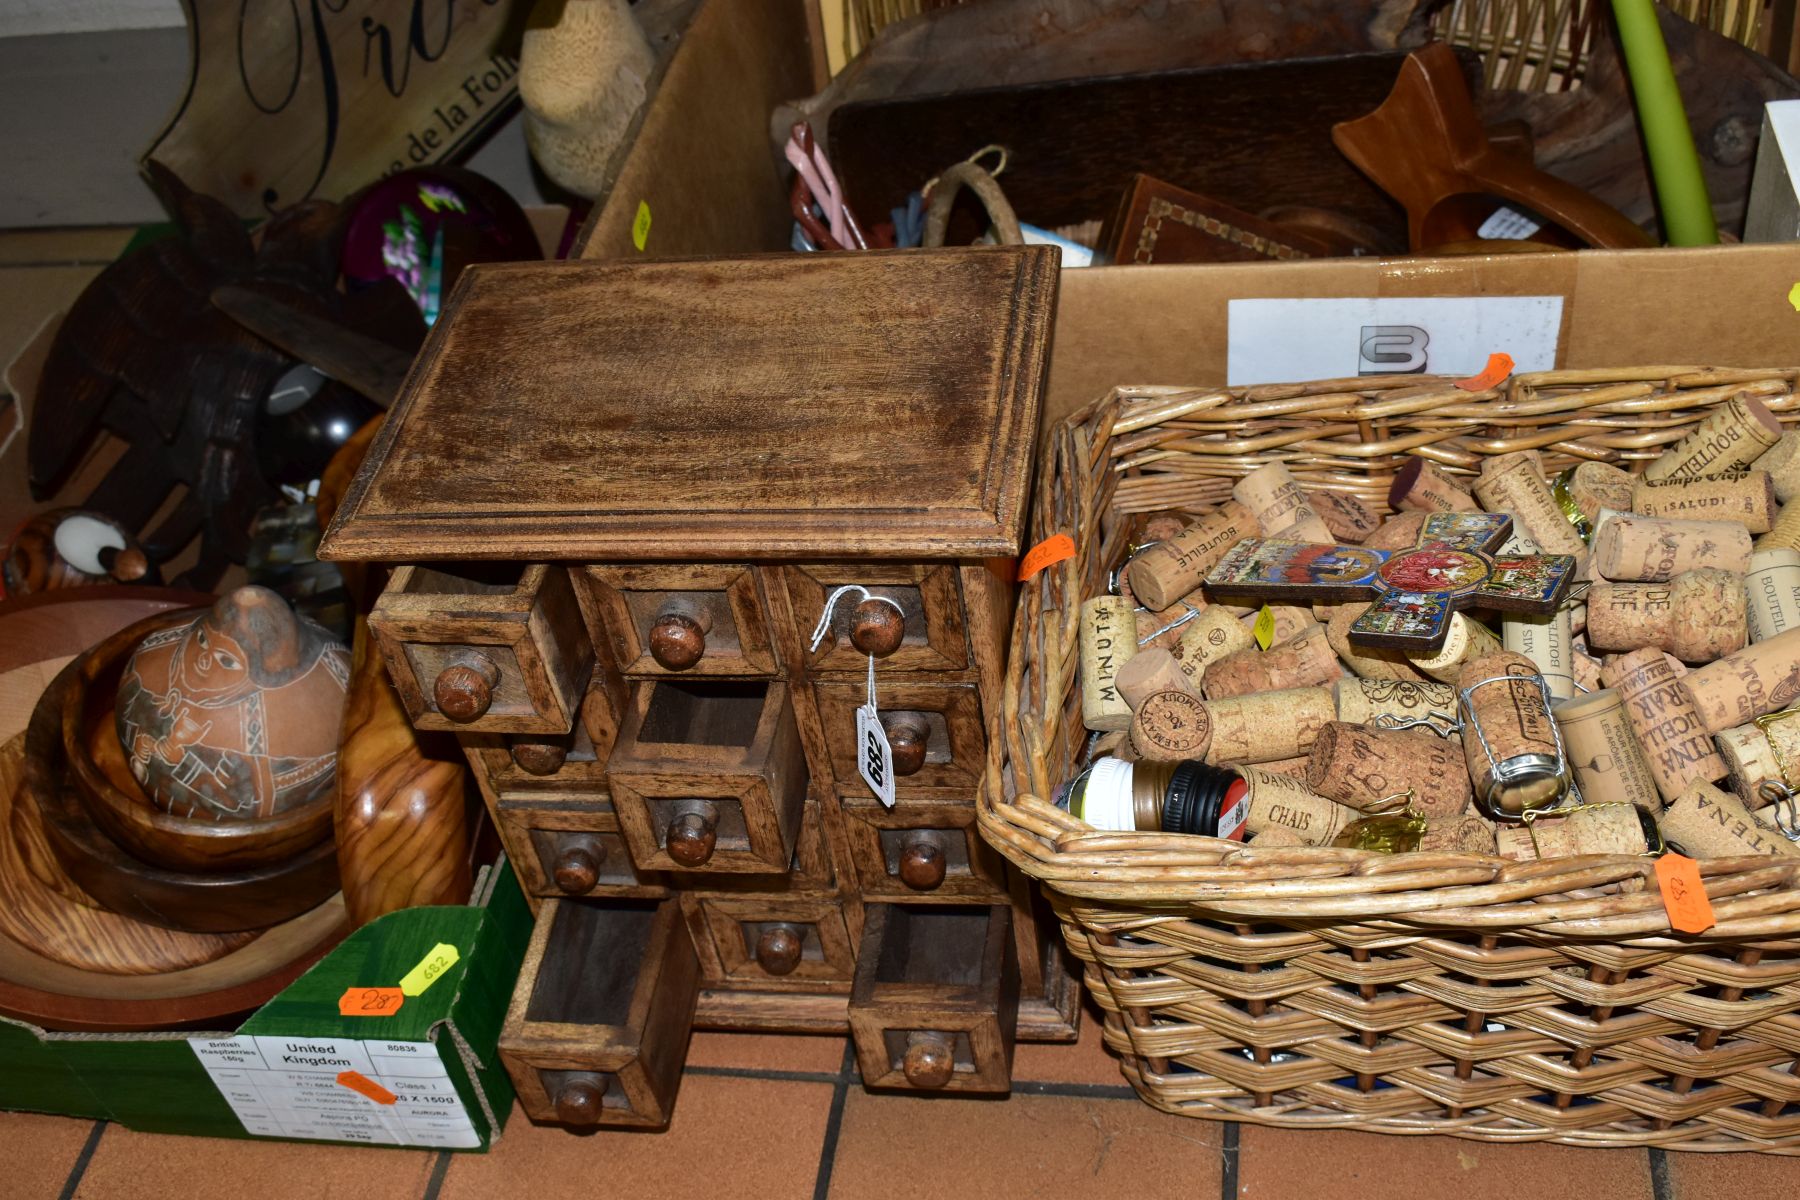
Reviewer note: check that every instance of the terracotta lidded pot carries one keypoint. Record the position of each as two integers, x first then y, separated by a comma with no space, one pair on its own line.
234,716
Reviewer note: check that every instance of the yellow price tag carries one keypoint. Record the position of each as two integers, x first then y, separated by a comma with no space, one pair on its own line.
1264,628
442,957
640,225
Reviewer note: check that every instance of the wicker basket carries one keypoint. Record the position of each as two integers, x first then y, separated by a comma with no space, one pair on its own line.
1416,993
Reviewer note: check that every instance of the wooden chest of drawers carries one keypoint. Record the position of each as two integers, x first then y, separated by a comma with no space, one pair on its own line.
652,525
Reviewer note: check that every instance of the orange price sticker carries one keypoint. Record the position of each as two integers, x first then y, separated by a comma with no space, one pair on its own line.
1684,896
368,1087
1052,549
1499,366
370,1001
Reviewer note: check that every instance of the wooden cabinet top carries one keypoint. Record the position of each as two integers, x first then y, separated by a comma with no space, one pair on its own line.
875,404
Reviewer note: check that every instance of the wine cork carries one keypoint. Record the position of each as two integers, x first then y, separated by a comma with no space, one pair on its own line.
1593,486
1603,752
1601,829
1108,642
1782,462
1655,549
1290,621
1360,767
1772,593
1362,701
1213,635
1464,642
1468,834
1267,726
1734,436
1510,742
1348,519
1162,573
1397,533
1367,662
1160,526
1171,726
1295,767
1586,670
1757,754
1282,802
1546,640
1698,616
1747,498
1785,533
1707,823
1151,671
1760,678
1278,504
1277,836
1510,483
1305,661
1421,486
1671,732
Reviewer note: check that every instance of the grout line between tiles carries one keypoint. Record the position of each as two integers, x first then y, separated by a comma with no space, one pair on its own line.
1662,1187
1229,1153
1104,1091
439,1169
834,1124
767,1073
82,1160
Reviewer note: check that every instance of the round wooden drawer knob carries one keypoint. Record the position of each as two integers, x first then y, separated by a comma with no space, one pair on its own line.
541,756
578,861
678,637
580,1099
876,627
929,1061
691,838
464,690
778,949
922,863
907,735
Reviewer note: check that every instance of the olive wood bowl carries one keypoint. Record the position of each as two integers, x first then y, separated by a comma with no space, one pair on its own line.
118,804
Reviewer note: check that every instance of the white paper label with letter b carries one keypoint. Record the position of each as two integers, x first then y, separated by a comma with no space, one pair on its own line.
874,758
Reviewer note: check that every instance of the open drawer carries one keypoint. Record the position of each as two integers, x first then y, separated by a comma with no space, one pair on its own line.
709,775
487,647
598,1028
935,1002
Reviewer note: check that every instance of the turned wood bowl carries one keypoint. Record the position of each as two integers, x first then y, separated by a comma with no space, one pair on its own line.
199,902
116,802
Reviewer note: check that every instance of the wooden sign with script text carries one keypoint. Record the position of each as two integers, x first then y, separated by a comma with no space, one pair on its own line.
291,100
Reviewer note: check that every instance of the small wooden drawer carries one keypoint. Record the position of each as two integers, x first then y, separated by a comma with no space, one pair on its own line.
709,775
703,619
922,852
523,764
932,638
935,1003
934,731
493,648
571,846
598,1028
774,943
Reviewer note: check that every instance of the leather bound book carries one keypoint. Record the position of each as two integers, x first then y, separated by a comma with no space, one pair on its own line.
1157,222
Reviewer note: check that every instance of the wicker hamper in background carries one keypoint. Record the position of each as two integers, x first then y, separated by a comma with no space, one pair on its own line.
1415,993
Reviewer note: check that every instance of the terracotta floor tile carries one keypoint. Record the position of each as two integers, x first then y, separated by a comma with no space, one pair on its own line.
954,1149
1732,1176
64,246
1085,1061
1327,1164
37,1152
134,1165
730,1137
814,1054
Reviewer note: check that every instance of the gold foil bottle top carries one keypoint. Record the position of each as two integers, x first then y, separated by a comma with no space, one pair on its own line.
1400,833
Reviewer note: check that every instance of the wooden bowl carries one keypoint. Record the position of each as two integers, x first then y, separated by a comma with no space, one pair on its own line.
200,902
118,804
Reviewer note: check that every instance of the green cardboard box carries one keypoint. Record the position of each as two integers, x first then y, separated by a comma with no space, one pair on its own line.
428,1074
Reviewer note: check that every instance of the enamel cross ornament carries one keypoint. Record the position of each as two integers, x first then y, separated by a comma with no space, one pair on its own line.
1415,592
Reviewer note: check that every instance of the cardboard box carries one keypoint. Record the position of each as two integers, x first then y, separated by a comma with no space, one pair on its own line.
432,1065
